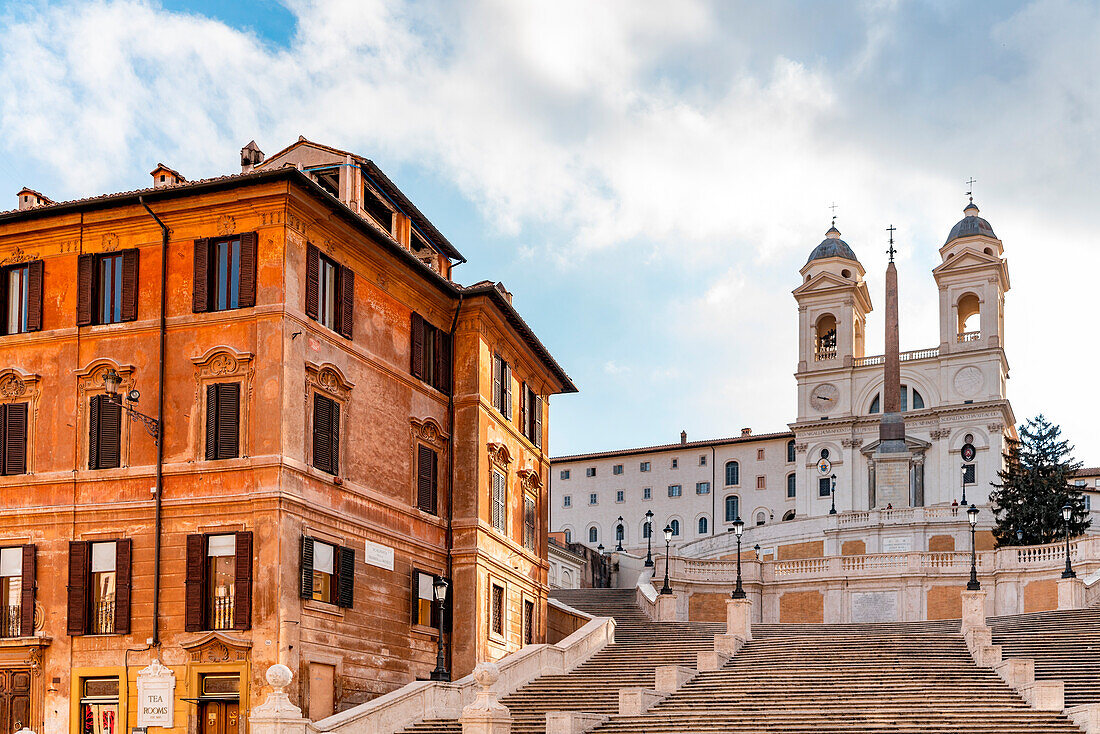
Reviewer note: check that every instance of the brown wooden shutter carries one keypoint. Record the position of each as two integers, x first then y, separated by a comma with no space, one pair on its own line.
200,285
443,363
345,577
129,284
416,598
246,295
305,585
123,585
524,425
438,377
195,602
93,431
538,420
34,295
498,396
506,390
15,438
242,582
424,492
26,622
211,422
334,436
322,445
85,280
229,414
313,261
417,340
79,568
106,436
346,302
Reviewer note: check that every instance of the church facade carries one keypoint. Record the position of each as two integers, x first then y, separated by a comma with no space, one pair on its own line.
953,400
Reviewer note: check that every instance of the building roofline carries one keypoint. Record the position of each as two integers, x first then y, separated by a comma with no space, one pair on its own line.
674,446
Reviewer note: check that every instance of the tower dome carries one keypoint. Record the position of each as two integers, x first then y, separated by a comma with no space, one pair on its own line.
970,225
832,246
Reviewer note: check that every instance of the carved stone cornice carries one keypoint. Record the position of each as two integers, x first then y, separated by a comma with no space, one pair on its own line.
499,454
530,480
429,432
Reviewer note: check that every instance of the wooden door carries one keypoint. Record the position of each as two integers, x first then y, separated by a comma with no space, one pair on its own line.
221,717
15,700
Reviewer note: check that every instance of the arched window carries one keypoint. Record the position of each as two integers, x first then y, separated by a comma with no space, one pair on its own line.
568,535
675,525
731,508
876,404
970,324
645,530
593,535
761,518
733,473
703,526
791,486
918,400
788,516
825,338
567,578
620,533
915,399
790,451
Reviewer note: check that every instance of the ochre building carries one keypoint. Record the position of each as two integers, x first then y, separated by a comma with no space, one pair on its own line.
249,420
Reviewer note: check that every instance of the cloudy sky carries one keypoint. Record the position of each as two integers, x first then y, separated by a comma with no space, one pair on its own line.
646,177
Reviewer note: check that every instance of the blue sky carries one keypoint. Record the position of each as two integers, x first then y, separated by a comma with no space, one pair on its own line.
646,177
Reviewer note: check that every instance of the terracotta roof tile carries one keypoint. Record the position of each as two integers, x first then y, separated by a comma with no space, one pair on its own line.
674,446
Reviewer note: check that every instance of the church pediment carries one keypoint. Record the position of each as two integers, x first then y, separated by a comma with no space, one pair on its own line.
968,258
826,282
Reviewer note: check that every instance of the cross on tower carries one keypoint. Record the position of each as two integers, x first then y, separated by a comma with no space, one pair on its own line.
970,186
833,207
891,252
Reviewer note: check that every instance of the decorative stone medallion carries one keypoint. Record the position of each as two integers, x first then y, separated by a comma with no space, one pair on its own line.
968,381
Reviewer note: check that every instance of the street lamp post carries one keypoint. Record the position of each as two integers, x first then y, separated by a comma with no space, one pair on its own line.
439,589
1067,513
832,493
972,517
111,382
738,529
964,484
619,534
649,538
666,589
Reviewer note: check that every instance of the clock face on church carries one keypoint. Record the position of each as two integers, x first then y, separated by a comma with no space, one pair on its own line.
824,397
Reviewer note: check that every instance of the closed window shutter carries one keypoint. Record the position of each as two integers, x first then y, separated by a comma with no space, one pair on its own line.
524,426
346,303
305,584
200,286
443,360
506,389
313,261
79,567
34,295
85,277
129,284
334,436
497,397
229,413
211,422
538,420
417,340
15,438
246,296
93,432
123,585
415,598
242,583
345,577
322,444
194,603
424,493
26,623
108,434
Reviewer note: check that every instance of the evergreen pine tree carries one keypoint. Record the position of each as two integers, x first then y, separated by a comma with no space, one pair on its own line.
1036,482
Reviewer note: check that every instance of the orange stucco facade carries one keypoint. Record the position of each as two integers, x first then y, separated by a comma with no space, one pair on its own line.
281,358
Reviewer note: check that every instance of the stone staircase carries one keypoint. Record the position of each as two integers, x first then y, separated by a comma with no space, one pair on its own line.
593,687
1064,644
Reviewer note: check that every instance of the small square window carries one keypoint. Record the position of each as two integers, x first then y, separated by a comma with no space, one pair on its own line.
675,490
702,460
760,454
617,469
702,488
675,463
644,466
567,501
620,496
1080,483
647,493
590,471
564,473
761,483
592,499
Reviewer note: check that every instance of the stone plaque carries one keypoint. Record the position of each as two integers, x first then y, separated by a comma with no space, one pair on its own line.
378,555
156,686
874,606
897,545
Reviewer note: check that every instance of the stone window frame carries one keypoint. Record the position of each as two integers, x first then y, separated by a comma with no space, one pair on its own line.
425,432
17,386
500,458
89,383
530,482
494,638
223,365
328,380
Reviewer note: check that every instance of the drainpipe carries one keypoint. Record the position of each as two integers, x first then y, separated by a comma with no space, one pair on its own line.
713,493
160,420
451,473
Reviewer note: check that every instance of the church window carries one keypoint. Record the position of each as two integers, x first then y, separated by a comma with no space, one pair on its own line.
733,473
968,474
790,451
731,508
825,338
675,525
969,311
702,526
593,535
824,453
876,405
791,485
788,516
823,487
918,400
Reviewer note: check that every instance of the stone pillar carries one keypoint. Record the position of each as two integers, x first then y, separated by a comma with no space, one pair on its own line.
277,715
739,618
973,610
486,715
666,607
1071,593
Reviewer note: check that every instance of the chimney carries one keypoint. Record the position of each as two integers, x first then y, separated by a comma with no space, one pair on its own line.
251,156
683,436
165,176
746,432
504,292
29,198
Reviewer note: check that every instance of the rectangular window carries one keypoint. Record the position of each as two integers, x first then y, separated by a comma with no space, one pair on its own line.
502,387
99,706
702,488
823,487
567,501
675,490
427,478
221,575
496,607
791,485
99,587
326,434
592,499
760,483
500,502
528,622
647,493
425,609
617,469
21,298
104,433
675,463
529,523
227,274
590,471
103,587
969,472
644,466
330,292
107,288
760,454
326,292
13,439
328,572
1088,503
530,411
431,354
11,595
1079,483
223,416
620,495
324,560
564,473
702,459
218,582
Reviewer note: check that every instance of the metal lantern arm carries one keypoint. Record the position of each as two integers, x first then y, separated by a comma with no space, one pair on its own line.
111,382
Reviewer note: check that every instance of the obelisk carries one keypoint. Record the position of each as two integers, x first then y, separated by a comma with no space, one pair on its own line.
892,458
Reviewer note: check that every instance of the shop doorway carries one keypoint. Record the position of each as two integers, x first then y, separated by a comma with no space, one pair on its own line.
219,704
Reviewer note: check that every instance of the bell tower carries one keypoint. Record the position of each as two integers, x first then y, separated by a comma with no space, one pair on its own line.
972,279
